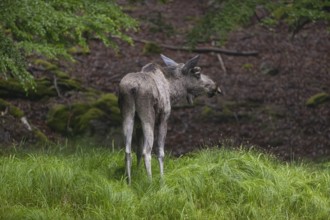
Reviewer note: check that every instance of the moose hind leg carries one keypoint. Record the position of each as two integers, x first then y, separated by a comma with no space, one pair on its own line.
139,148
148,137
128,124
162,130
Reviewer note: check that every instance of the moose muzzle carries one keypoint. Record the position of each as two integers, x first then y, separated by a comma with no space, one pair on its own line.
214,92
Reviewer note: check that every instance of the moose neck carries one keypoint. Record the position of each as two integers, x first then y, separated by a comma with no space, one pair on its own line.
177,89
177,84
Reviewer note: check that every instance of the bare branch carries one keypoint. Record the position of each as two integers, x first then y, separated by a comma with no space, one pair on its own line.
201,49
223,67
56,87
26,123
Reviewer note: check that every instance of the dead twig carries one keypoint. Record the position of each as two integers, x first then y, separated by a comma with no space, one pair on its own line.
222,64
201,49
26,123
56,87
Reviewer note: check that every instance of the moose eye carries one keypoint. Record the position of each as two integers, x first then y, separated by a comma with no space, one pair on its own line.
196,71
197,75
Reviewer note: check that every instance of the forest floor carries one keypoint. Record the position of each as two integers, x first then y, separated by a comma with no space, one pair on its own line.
264,101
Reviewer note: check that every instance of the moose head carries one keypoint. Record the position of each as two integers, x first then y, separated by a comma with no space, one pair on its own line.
193,81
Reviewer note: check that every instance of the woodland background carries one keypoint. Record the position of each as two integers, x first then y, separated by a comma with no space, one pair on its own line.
61,62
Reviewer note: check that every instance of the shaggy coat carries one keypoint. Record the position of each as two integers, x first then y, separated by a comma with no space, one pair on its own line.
147,96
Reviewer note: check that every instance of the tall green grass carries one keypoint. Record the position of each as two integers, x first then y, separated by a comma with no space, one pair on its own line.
89,183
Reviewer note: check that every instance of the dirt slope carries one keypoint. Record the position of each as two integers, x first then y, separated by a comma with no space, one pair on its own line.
265,96
260,107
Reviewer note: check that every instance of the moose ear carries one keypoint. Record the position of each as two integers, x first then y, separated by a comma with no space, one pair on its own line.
169,62
190,64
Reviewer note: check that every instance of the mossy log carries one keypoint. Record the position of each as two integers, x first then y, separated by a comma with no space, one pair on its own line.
53,83
44,88
77,118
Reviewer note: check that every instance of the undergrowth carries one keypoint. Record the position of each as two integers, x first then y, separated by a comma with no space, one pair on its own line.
89,183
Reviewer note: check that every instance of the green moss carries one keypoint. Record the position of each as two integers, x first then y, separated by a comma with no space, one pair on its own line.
13,110
106,102
12,89
207,111
109,104
58,119
61,74
75,119
69,84
79,50
248,66
44,88
40,136
46,65
318,99
85,118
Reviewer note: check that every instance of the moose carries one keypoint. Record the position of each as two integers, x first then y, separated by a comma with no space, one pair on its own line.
146,97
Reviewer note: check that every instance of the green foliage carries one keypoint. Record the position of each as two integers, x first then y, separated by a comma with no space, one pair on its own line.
224,16
159,24
12,61
49,28
296,13
88,183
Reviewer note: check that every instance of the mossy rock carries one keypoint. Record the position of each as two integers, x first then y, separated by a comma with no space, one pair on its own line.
57,119
318,99
12,110
107,101
109,104
40,136
76,118
85,119
65,119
